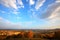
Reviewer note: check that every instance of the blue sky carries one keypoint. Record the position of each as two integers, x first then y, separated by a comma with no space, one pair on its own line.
29,14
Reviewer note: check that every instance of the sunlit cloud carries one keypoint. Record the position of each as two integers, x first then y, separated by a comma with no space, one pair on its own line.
55,14
6,24
57,0
12,3
39,4
51,15
15,12
20,4
50,12
24,14
32,2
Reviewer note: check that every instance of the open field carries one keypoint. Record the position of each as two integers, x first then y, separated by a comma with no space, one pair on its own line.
53,34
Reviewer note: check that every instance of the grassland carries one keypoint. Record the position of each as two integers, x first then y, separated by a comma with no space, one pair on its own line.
53,34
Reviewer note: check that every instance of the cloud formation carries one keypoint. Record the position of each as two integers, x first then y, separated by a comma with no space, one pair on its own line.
57,0
5,24
51,14
11,3
39,4
32,2
52,11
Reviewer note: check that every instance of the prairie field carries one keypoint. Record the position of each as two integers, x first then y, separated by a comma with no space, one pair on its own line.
53,34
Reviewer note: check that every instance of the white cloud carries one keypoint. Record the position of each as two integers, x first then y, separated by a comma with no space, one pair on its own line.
20,4
15,12
51,11
57,0
11,3
39,4
28,23
4,20
51,15
6,24
53,27
54,10
54,17
32,2
55,14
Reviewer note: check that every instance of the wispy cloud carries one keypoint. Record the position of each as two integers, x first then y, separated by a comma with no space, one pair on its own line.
20,4
57,0
55,14
50,16
16,12
12,3
9,3
32,2
54,17
54,11
50,12
39,4
6,24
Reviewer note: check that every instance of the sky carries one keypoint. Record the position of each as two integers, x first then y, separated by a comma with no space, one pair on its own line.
29,14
